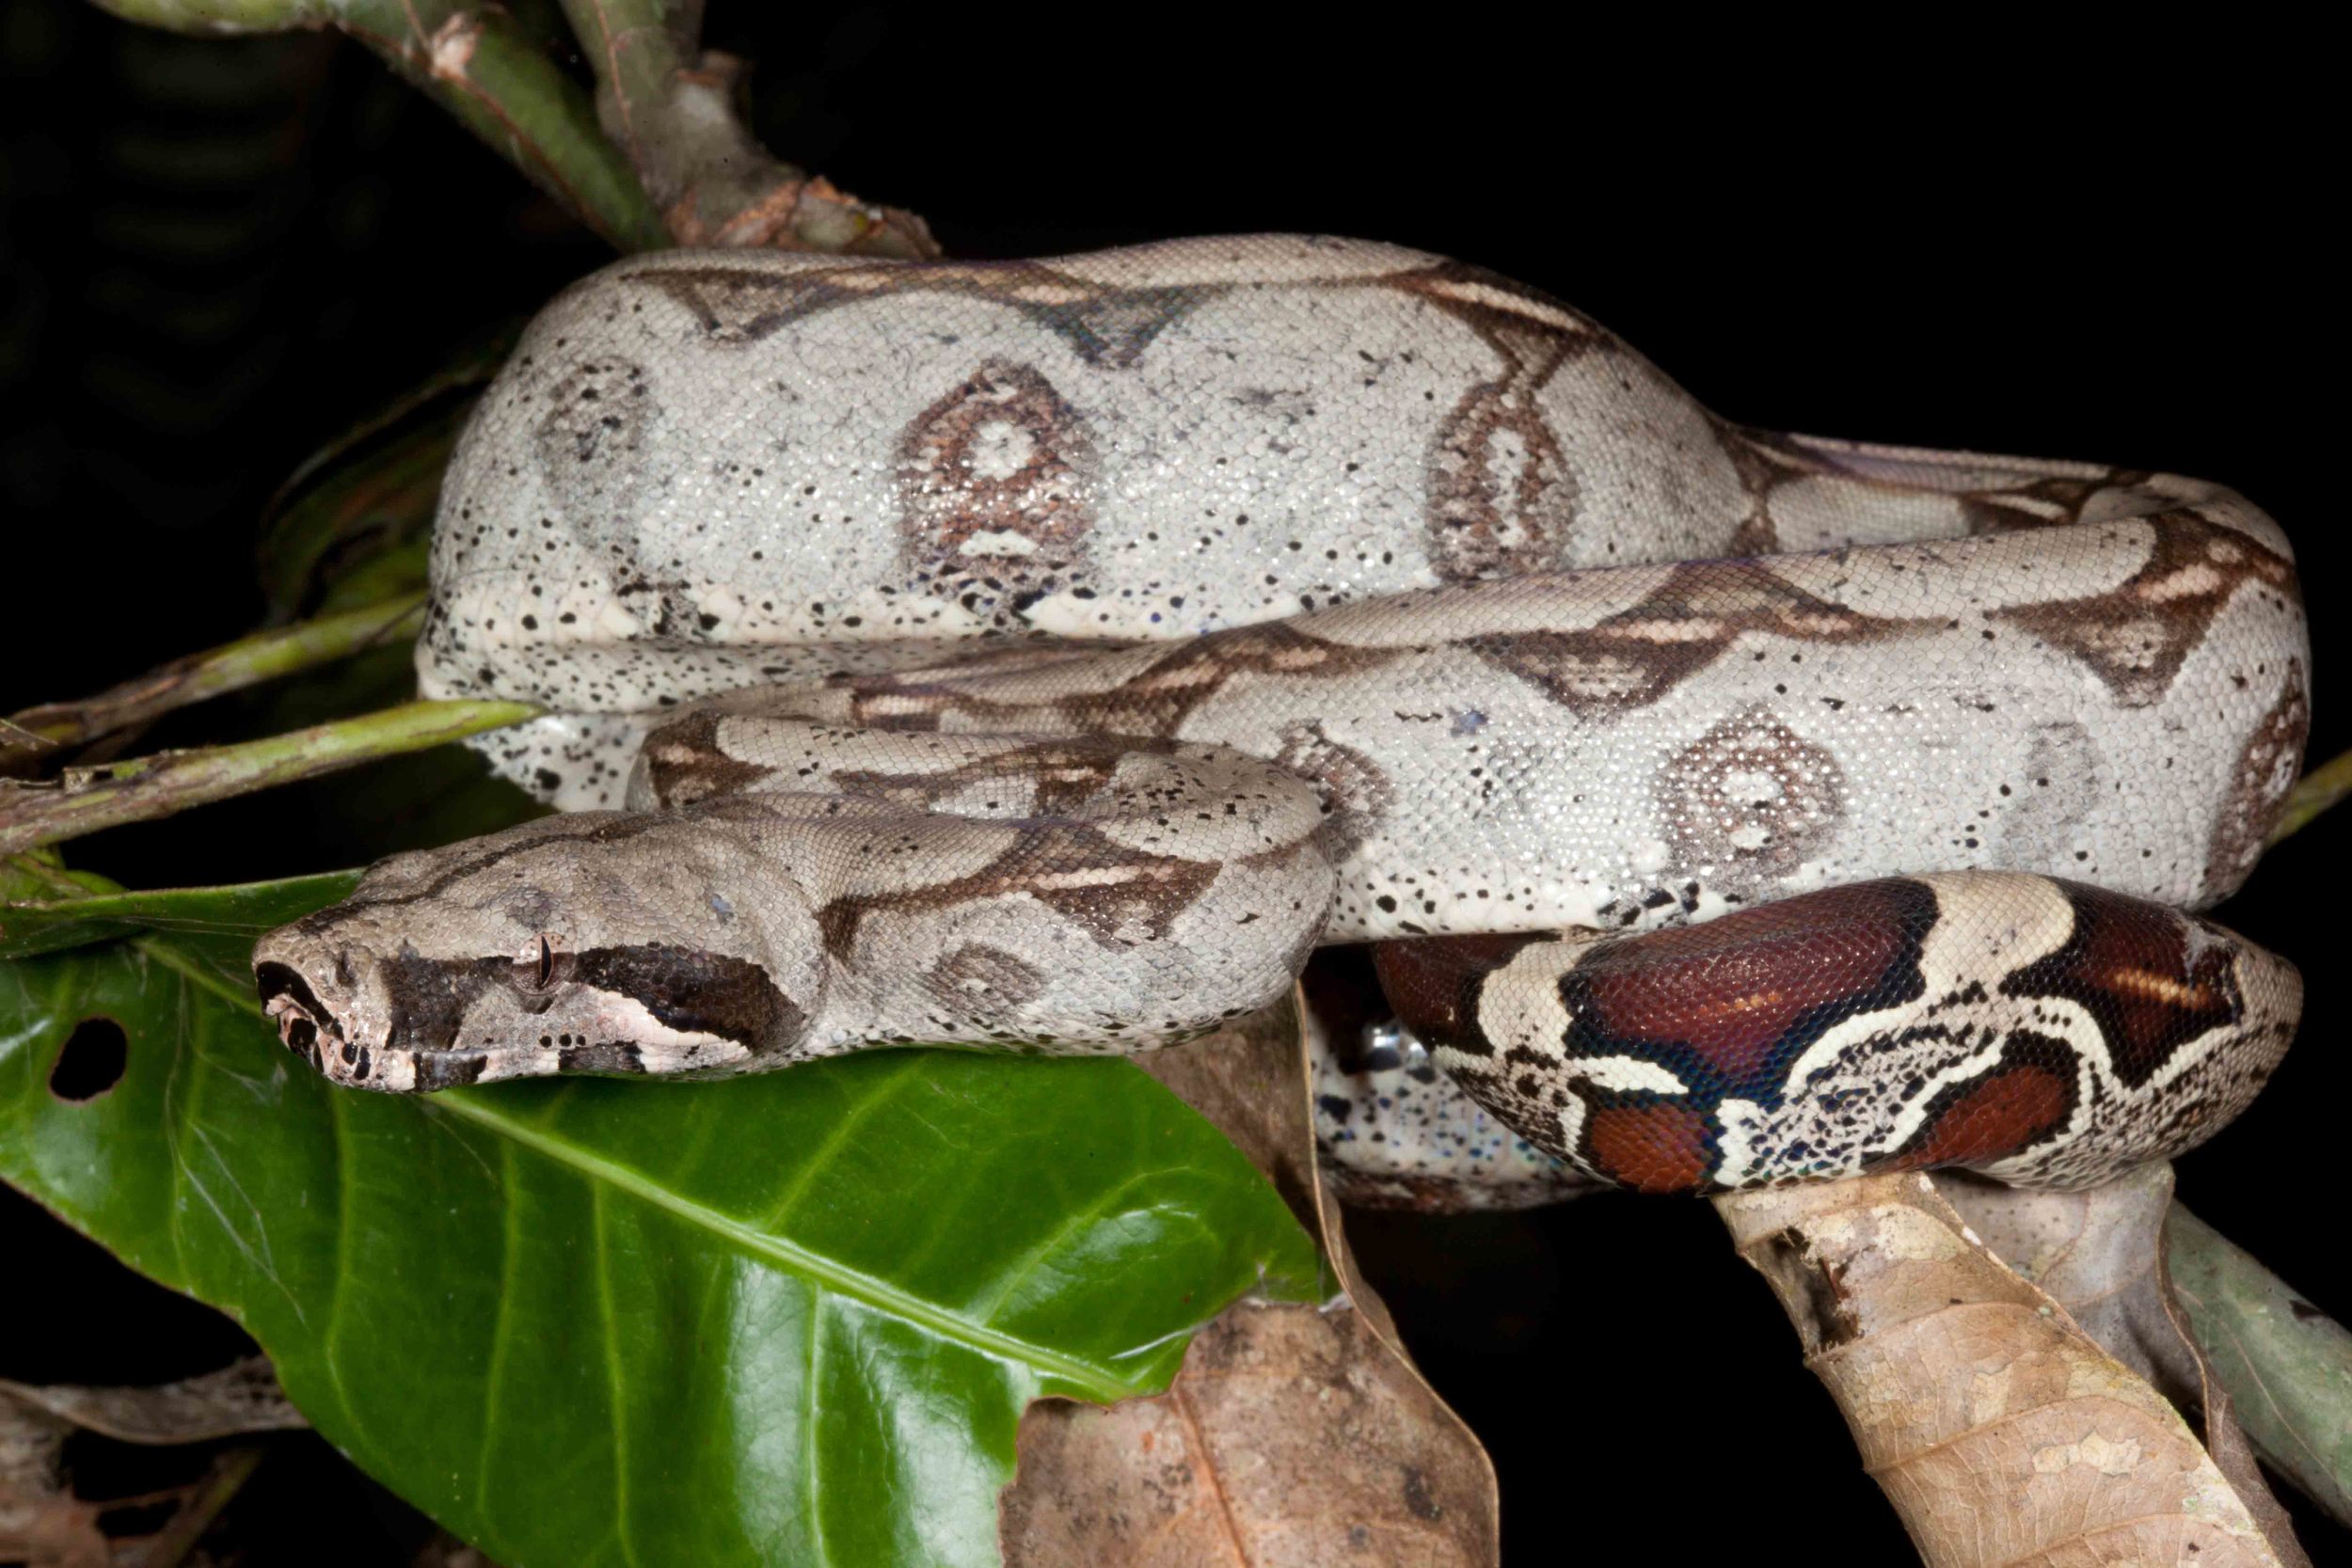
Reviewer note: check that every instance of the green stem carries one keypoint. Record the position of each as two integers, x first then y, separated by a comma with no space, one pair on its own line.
2317,790
2287,1365
481,65
144,788
231,667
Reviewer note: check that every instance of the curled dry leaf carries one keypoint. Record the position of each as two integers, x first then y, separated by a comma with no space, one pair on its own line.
1287,1439
2097,1252
240,1398
1292,1436
2000,1433
45,1524
2101,1253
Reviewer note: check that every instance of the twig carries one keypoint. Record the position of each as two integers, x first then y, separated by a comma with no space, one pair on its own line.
144,788
481,65
672,108
230,667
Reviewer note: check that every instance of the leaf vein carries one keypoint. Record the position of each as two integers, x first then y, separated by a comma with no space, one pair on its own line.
829,1272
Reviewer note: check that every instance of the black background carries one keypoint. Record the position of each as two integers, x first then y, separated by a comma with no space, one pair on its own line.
218,254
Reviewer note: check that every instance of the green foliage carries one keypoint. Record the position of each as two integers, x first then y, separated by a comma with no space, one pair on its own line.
33,924
2286,1364
791,1319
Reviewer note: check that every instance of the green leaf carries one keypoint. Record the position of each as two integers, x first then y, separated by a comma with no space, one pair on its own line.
2286,1364
34,924
790,1318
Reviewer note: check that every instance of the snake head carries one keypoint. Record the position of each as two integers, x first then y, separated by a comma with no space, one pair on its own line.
601,943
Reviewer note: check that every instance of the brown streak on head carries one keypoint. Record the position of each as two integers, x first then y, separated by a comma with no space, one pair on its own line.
695,991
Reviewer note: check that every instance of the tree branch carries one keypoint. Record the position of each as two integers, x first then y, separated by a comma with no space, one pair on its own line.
266,656
144,788
672,107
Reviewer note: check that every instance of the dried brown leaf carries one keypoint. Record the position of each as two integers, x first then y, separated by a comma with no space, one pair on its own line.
2002,1434
44,1523
1293,1435
2096,1251
241,1397
2101,1253
1289,1438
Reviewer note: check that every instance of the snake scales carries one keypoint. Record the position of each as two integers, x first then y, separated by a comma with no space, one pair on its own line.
1050,654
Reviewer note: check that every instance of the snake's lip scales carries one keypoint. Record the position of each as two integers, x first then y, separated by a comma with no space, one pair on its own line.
357,1063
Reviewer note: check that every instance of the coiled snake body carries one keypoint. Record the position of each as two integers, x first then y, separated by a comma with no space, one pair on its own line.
1050,654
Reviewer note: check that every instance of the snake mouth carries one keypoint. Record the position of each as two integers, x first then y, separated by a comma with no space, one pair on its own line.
320,1041
331,1009
311,1030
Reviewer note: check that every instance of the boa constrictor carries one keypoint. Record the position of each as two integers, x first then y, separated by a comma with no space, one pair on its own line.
1081,643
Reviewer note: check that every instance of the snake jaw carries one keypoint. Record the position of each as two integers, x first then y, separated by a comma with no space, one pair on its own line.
319,988
309,991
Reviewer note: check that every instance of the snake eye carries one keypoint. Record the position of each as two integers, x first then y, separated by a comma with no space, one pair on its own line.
534,966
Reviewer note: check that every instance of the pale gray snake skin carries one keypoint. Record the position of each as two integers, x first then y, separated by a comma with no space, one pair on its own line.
1102,634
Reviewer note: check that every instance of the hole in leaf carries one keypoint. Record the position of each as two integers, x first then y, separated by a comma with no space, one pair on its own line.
92,1061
